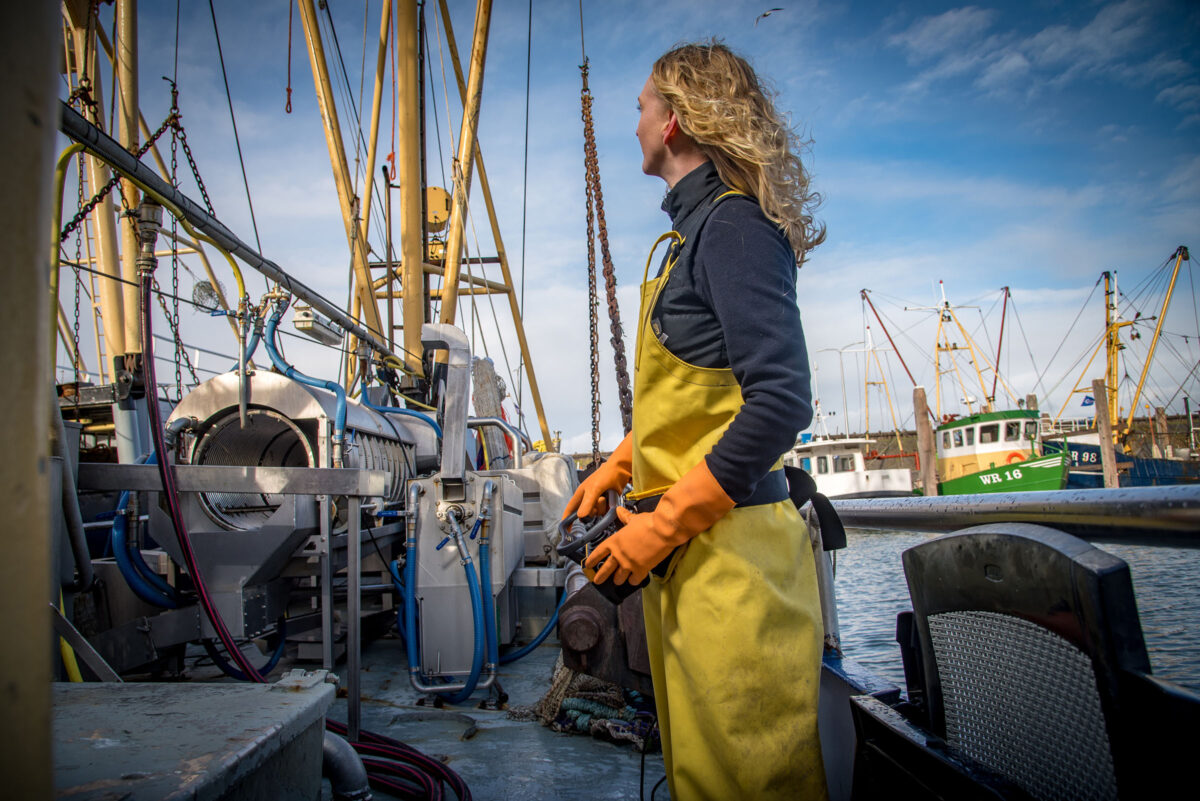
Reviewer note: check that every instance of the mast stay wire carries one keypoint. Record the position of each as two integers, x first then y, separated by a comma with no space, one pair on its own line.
524,205
1028,347
233,119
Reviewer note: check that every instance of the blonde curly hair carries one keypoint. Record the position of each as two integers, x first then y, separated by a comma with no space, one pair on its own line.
723,107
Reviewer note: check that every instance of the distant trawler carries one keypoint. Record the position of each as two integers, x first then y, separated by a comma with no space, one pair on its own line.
839,468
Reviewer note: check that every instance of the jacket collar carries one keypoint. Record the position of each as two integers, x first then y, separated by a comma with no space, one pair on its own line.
691,190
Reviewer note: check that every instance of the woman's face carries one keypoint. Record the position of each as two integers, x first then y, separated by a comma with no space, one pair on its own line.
652,125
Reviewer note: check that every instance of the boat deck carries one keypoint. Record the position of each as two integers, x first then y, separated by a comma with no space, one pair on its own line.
500,758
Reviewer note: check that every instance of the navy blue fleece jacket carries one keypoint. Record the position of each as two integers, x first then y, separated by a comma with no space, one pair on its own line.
733,304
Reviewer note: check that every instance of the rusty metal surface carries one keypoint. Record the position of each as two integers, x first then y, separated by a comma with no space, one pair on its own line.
174,741
606,641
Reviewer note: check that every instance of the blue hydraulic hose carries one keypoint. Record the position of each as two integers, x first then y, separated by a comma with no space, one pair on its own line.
398,582
234,673
513,656
480,640
410,620
489,611
404,412
145,583
339,423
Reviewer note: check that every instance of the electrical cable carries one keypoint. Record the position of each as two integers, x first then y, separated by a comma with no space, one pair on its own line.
170,489
229,670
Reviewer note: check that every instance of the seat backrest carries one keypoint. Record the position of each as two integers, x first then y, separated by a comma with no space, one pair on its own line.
1024,633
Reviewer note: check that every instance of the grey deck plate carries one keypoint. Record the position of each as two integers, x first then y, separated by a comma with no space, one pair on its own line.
172,740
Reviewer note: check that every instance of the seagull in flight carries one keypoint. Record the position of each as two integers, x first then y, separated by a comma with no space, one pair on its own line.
766,14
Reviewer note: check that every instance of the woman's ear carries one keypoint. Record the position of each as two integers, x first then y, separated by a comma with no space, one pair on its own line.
671,128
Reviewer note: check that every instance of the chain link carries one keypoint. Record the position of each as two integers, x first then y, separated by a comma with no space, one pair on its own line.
86,209
175,256
610,278
593,324
78,276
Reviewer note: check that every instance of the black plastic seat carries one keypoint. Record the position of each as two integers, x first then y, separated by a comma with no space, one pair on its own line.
1027,672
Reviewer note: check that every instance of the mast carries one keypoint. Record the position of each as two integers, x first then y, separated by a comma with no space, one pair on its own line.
862,293
1000,341
465,159
1180,254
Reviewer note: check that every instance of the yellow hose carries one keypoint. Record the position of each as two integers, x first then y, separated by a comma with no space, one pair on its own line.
67,652
60,178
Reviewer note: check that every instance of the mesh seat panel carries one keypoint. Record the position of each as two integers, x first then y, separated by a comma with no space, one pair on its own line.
1023,701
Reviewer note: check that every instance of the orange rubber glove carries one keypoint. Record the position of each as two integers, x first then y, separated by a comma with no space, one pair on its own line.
692,505
614,474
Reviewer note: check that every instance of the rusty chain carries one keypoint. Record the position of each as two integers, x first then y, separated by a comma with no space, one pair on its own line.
592,163
86,209
593,300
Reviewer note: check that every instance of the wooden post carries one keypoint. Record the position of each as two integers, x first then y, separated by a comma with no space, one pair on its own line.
1108,455
29,61
1160,427
926,445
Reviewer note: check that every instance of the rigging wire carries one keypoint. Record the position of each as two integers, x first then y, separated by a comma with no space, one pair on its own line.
233,119
525,193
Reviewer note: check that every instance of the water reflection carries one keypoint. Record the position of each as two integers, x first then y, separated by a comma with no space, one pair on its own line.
871,591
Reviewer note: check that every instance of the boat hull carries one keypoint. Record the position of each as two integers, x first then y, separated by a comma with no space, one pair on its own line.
1047,472
1085,471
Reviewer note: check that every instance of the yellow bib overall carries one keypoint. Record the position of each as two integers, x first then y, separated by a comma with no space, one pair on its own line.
734,630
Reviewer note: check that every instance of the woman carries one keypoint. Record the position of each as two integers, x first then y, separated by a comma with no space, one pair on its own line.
721,389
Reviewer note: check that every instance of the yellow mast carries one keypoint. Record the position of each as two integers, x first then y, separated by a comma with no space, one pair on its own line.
341,170
1180,254
464,160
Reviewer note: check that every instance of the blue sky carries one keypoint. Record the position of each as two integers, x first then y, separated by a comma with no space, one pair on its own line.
1028,144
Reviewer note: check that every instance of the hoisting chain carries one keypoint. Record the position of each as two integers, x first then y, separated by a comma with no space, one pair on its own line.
610,279
78,277
173,323
172,121
593,324
86,209
175,259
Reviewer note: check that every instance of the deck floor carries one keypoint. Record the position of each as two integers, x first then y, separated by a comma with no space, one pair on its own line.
504,758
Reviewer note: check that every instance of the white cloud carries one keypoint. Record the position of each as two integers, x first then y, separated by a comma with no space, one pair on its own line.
953,30
1184,97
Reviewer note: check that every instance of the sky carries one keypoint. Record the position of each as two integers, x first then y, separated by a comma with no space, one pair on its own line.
1029,144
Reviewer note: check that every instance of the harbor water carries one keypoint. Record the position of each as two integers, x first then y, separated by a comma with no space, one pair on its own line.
871,591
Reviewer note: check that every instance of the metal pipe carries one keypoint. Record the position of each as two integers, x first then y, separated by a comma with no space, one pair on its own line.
344,767
100,144
520,437
354,620
1162,515
70,506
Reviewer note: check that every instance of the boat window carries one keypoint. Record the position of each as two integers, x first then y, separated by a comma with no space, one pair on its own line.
1031,430
958,440
945,439
989,433
843,464
822,464
806,463
1012,430
971,435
